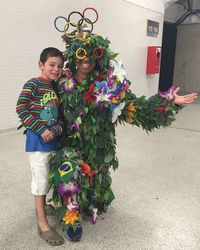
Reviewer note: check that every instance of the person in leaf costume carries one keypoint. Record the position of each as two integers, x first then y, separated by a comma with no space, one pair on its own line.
94,97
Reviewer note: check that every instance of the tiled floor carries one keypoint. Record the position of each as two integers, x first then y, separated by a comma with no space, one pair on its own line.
157,189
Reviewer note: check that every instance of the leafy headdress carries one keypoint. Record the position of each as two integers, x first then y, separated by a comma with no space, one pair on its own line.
81,42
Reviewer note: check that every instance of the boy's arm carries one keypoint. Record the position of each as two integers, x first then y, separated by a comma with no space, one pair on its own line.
56,129
29,120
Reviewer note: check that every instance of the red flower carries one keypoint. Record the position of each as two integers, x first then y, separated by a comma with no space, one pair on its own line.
89,97
100,77
85,169
160,109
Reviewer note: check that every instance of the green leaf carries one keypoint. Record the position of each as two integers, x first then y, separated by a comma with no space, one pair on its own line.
93,119
94,130
100,178
86,109
108,158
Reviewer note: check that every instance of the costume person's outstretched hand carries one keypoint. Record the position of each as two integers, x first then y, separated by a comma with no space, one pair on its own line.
184,99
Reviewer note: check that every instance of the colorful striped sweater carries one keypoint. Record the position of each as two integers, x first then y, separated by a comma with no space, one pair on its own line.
44,114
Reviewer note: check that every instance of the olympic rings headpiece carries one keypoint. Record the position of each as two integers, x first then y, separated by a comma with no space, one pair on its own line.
81,42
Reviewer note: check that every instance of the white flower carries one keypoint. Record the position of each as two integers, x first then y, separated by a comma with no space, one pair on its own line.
101,97
119,70
117,111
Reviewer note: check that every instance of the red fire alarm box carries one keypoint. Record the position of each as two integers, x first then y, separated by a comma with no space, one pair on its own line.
153,59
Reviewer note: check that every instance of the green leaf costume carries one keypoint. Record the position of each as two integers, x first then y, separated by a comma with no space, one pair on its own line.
91,110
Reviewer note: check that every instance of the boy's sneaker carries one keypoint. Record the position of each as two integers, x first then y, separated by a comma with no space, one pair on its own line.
74,235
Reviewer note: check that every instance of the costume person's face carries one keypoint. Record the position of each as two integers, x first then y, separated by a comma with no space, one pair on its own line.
52,68
85,66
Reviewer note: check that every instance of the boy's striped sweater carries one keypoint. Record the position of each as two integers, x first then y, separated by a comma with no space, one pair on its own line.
44,114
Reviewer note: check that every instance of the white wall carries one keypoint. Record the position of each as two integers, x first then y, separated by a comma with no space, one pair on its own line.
27,27
155,5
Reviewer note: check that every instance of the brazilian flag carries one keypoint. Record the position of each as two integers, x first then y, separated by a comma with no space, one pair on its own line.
65,172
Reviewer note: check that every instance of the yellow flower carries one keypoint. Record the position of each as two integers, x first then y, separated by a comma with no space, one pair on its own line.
131,110
131,107
70,217
114,100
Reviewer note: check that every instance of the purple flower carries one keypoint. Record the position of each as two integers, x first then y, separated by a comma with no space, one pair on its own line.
82,113
75,126
62,188
167,94
95,216
67,84
68,189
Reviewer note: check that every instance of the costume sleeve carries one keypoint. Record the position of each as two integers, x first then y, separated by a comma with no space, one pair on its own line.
151,113
29,120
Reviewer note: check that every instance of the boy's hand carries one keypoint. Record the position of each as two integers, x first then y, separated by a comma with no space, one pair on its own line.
47,136
67,73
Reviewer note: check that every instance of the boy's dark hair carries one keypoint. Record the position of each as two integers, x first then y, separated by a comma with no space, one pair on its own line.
50,52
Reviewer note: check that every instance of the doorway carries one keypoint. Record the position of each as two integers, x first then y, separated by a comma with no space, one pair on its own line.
167,56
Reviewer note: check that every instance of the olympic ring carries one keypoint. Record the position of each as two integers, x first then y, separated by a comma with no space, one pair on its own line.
55,22
66,28
75,44
87,21
79,26
80,50
74,12
98,52
89,8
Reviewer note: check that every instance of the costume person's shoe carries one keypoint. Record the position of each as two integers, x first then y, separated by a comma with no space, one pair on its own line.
74,235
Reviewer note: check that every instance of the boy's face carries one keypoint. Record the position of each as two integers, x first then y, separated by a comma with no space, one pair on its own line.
52,68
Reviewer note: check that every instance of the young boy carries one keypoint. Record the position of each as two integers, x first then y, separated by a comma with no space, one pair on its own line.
43,128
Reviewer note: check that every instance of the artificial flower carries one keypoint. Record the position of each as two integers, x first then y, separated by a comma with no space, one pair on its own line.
95,216
160,109
100,77
73,206
75,126
89,95
100,97
68,84
85,169
68,189
168,95
131,110
101,87
131,107
119,70
118,89
117,110
114,100
71,217
111,79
